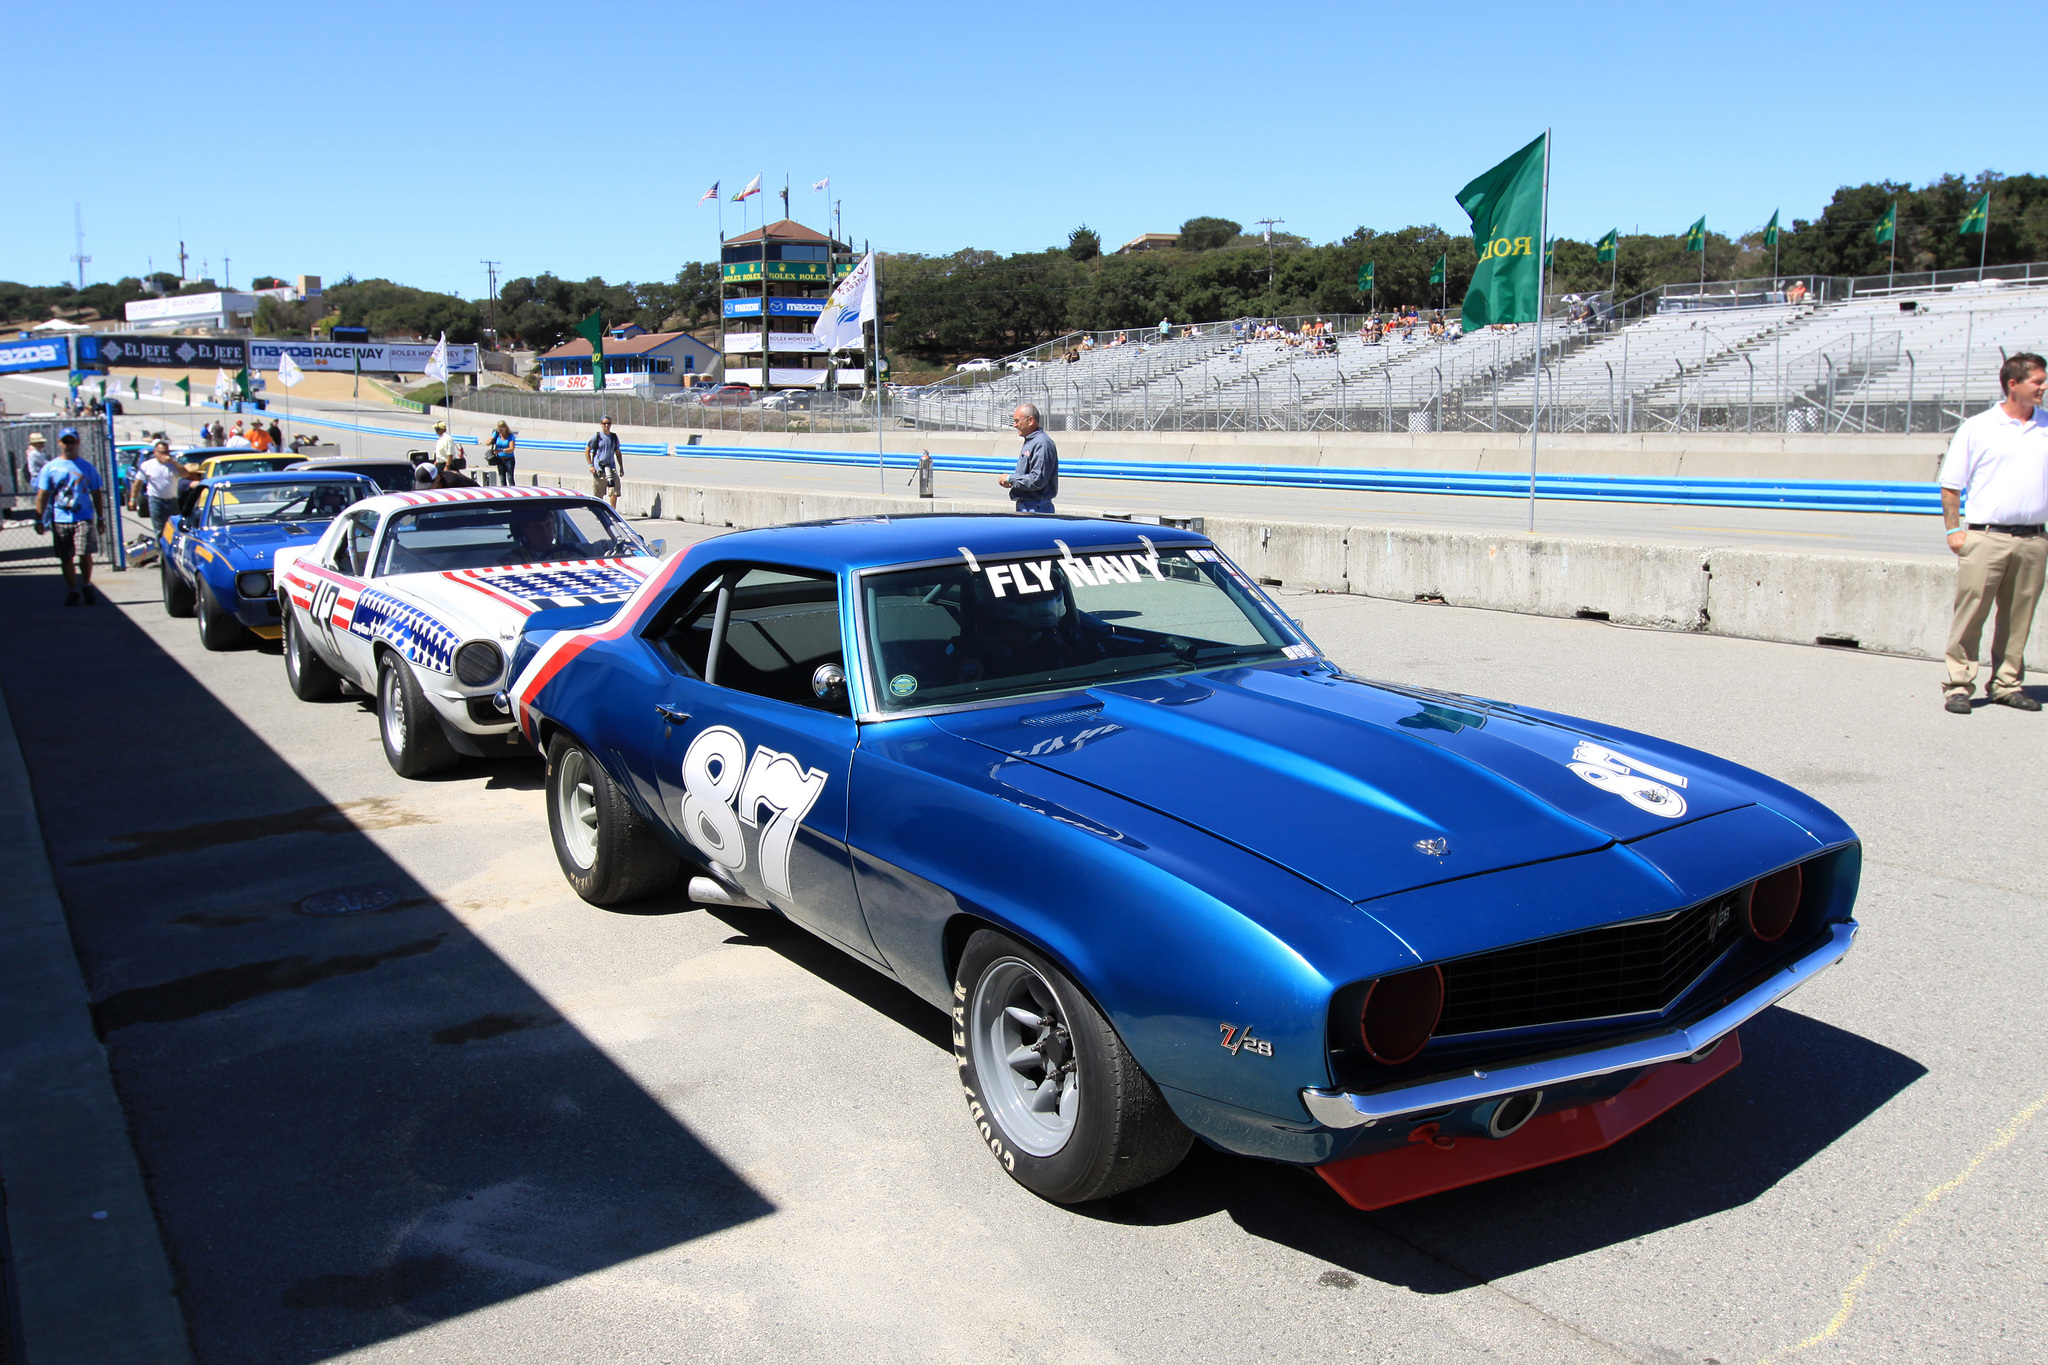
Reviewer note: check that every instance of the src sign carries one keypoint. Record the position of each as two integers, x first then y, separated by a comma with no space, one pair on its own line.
178,353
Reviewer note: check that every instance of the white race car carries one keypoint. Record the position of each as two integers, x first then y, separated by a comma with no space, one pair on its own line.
420,598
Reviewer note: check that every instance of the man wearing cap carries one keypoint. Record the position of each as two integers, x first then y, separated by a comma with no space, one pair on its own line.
607,464
1994,501
68,500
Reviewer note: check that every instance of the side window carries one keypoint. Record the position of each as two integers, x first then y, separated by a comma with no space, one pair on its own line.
781,626
352,546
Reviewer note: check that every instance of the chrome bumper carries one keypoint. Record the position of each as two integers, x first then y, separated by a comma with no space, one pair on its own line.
1351,1109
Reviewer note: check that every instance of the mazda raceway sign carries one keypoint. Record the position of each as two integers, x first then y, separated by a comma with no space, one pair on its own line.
380,356
53,353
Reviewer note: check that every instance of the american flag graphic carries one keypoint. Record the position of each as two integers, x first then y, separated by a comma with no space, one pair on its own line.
578,583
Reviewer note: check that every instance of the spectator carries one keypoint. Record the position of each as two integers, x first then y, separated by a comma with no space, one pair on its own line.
38,454
607,463
1165,329
1036,480
424,470
259,439
447,477
276,435
504,454
68,502
1994,481
1797,293
158,478
238,439
445,449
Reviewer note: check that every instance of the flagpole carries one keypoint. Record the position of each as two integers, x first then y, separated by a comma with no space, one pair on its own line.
1984,240
1891,271
1536,407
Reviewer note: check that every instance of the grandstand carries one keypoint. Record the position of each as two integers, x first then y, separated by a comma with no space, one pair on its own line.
1868,356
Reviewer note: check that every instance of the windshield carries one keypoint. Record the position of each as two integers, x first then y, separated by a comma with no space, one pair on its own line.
484,535
951,634
322,501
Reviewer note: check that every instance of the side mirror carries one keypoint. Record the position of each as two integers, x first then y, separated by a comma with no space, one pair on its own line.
829,683
660,547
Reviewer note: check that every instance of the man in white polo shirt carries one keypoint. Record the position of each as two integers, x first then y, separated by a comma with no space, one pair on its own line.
1994,500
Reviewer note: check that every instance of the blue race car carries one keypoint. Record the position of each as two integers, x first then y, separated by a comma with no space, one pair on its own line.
216,560
1173,874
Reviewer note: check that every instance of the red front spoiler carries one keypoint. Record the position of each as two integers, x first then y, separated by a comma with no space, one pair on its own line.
1433,1162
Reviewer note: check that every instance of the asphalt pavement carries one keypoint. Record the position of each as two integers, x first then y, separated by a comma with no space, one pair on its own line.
399,1095
1861,533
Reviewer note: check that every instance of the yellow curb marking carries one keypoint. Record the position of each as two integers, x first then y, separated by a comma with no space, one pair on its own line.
1999,1141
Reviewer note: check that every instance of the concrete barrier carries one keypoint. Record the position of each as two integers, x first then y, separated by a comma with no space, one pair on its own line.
1899,605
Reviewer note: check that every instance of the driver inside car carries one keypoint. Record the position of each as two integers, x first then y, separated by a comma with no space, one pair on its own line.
534,536
1024,633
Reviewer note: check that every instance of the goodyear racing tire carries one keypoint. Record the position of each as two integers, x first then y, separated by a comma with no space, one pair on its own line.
217,628
309,677
608,853
414,743
1057,1097
177,596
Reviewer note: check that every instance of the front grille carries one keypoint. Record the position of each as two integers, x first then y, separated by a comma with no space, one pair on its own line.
1622,969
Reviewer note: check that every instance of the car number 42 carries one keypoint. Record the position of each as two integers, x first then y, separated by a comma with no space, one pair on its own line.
723,790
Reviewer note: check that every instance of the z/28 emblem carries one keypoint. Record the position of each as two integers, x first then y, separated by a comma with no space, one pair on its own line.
1235,1038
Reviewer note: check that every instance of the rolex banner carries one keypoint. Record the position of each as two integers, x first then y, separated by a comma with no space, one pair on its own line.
1604,248
1506,207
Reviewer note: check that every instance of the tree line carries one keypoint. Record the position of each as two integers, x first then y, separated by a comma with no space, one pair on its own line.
975,302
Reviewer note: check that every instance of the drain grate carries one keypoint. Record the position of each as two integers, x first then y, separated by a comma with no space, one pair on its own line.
348,900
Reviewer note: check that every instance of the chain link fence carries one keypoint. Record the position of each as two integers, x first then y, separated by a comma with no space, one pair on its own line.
19,536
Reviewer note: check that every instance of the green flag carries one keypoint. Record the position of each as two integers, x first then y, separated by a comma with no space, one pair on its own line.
357,392
1696,236
135,387
1365,278
103,389
1771,230
591,329
242,382
1550,254
1506,207
186,385
1441,269
1604,248
1888,226
1979,216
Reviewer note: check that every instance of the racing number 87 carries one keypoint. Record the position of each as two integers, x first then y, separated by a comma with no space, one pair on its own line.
723,791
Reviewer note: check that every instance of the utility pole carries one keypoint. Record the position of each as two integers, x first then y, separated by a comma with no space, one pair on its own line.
227,273
78,228
1268,224
491,271
182,258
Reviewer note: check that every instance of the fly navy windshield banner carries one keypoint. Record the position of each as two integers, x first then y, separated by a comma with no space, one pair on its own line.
177,353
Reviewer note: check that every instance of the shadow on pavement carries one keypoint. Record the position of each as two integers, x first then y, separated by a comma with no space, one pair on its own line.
1802,1085
354,1118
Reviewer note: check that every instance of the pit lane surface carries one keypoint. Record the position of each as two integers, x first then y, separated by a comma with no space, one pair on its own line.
487,1122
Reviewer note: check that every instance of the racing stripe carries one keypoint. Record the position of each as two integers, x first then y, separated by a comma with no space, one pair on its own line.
557,652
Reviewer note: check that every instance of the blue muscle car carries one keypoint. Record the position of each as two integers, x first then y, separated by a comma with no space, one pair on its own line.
1173,874
217,553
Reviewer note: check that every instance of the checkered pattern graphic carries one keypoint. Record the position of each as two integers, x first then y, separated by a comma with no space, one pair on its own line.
430,496
407,629
563,585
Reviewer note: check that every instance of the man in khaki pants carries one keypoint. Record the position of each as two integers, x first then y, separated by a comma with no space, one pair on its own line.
1994,481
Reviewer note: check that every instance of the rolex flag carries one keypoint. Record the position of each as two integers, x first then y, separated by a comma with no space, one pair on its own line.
591,329
437,363
851,304
1771,230
1696,236
1978,217
1888,226
1506,207
1604,248
1440,269
753,188
288,371
1365,278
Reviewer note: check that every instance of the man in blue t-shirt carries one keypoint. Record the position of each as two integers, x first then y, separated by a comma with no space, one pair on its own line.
68,502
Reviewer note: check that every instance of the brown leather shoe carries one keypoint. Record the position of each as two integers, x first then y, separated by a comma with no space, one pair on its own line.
1958,704
2017,700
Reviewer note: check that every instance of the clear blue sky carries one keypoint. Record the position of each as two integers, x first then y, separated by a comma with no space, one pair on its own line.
413,141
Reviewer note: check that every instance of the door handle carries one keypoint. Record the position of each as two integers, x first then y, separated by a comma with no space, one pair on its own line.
670,714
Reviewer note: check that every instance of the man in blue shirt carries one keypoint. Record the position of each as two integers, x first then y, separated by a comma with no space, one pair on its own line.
1036,481
68,501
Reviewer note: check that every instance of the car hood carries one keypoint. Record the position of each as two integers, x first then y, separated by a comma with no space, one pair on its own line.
256,545
499,600
1365,789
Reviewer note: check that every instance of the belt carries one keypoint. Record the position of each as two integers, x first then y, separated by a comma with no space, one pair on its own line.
2008,528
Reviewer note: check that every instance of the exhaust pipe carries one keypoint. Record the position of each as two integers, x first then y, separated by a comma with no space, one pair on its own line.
1511,1113
711,891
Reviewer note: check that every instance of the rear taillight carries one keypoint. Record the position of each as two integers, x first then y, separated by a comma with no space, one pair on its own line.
1400,1012
1773,904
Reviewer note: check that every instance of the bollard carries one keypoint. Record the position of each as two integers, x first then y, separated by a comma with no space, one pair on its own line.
924,475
